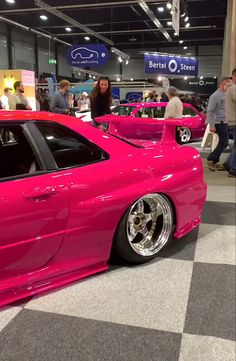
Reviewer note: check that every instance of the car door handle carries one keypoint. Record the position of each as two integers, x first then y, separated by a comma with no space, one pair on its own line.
40,193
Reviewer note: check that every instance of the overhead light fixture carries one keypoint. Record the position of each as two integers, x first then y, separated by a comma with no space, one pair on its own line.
185,78
187,25
169,23
87,38
159,78
175,34
126,62
185,47
132,38
168,5
90,75
160,9
118,79
183,15
214,77
68,29
181,41
120,59
201,77
131,79
10,1
186,19
43,17
171,12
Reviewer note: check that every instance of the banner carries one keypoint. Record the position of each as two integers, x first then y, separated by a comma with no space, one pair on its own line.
205,86
175,15
87,55
170,65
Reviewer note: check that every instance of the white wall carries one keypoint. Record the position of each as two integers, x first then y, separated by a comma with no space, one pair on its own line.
23,50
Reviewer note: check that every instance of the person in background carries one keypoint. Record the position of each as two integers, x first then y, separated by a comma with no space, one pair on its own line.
174,108
84,102
218,124
101,100
59,101
230,114
150,98
18,100
164,98
4,98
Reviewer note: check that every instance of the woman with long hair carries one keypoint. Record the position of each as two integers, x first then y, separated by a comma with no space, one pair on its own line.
101,100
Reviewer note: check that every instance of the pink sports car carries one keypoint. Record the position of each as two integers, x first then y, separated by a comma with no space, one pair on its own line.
71,195
156,112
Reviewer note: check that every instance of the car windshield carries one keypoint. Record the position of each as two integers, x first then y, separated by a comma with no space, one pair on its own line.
123,110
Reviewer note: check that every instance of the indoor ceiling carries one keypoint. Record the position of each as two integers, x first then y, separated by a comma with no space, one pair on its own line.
124,24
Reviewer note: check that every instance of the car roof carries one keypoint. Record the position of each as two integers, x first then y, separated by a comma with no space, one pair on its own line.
151,104
19,115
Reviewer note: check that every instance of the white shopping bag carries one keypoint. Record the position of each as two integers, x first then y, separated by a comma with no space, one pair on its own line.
209,140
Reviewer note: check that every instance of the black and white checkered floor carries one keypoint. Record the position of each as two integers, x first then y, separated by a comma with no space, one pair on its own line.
180,307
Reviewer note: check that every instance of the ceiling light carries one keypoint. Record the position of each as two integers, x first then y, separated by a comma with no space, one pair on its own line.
185,78
214,77
182,15
187,25
159,78
10,1
87,38
132,38
118,79
169,23
160,9
94,77
126,62
90,75
186,19
171,12
181,41
185,47
43,17
168,5
201,77
120,59
175,34
131,79
68,29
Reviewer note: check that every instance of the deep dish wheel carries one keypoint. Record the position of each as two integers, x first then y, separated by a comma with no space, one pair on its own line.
144,229
185,135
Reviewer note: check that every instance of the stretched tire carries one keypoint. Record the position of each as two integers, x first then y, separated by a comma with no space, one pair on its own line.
144,229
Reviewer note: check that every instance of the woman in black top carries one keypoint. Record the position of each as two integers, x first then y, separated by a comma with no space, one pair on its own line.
101,100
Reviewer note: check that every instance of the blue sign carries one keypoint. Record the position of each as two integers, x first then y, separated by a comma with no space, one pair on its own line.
170,65
87,55
115,92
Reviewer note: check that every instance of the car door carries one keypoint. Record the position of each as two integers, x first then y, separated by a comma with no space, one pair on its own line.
33,205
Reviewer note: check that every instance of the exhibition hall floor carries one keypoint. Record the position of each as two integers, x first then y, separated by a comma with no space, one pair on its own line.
179,307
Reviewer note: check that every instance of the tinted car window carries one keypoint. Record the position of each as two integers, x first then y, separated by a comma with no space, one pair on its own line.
123,110
16,153
68,148
151,112
189,112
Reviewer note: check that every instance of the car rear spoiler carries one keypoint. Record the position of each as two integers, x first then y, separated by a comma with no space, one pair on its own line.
166,126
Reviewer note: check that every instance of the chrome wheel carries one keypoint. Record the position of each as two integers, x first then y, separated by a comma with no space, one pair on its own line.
185,135
149,224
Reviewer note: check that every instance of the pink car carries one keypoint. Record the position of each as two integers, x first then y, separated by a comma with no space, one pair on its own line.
156,112
71,194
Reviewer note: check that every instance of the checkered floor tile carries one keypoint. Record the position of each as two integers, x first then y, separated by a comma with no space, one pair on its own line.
179,307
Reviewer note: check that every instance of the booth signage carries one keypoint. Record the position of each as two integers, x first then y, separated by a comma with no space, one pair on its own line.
87,55
170,65
52,61
204,86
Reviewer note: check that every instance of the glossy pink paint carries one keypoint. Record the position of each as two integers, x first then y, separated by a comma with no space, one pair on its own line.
197,132
68,234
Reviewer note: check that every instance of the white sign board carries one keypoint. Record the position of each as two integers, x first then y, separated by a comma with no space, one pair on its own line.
176,15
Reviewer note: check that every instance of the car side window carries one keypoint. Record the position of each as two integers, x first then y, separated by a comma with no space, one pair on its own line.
189,112
151,112
68,148
18,157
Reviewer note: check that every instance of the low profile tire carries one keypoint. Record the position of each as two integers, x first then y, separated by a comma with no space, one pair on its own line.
184,135
144,229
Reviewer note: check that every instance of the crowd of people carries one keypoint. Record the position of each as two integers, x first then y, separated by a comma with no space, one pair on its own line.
221,110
